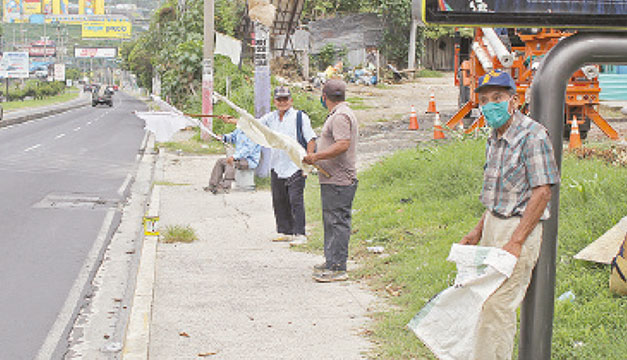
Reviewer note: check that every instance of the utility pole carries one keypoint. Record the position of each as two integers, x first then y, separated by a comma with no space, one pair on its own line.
207,68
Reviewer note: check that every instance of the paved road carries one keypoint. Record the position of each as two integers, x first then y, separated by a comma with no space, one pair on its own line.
59,177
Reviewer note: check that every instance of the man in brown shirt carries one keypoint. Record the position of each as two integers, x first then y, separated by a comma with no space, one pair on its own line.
336,154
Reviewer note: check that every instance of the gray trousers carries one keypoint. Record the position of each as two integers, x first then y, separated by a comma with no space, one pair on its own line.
223,173
337,203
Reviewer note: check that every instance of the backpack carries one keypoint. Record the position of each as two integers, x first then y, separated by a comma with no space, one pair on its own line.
618,282
299,129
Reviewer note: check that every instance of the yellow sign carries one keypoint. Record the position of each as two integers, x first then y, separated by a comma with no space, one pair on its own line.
32,7
106,29
91,7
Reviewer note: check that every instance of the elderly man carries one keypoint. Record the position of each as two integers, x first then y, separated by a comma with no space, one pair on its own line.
246,156
519,171
336,154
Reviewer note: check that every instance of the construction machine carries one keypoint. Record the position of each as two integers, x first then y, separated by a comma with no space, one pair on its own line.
520,51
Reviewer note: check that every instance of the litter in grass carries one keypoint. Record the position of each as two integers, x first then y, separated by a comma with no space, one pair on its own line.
376,249
567,296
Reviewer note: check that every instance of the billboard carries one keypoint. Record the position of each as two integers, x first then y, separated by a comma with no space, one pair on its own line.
14,65
31,7
538,13
59,72
95,52
11,10
40,51
91,7
106,29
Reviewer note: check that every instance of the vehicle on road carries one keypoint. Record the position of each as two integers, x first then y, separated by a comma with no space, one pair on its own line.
102,95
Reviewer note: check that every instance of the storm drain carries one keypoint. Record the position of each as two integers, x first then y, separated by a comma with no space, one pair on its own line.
74,201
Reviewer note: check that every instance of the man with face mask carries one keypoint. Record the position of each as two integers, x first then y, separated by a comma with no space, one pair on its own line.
518,174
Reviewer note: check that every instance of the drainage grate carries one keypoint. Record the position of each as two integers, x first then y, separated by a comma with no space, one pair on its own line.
74,201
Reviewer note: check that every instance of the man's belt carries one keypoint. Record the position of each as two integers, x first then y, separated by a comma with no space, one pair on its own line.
503,217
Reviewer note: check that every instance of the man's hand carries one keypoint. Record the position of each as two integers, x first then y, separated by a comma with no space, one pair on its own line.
310,159
472,238
513,247
230,160
228,119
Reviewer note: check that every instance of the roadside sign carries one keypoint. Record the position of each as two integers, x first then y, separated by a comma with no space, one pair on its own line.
599,14
14,65
59,72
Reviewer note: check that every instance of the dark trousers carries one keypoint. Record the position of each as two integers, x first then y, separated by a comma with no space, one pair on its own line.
223,173
288,204
337,203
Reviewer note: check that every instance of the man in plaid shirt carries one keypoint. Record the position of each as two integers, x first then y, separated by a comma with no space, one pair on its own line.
518,174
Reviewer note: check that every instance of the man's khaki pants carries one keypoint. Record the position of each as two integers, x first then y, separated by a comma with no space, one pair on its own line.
497,322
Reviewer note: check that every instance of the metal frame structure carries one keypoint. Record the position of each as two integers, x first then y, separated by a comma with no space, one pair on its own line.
548,98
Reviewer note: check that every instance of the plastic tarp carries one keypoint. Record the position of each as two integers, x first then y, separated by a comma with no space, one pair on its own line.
447,323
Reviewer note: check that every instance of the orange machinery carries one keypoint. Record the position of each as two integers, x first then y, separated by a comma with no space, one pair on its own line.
485,54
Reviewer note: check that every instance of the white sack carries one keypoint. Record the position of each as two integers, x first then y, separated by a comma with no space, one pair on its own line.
447,323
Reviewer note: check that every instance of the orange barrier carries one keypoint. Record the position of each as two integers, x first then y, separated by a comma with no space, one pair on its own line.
413,119
431,109
575,139
438,132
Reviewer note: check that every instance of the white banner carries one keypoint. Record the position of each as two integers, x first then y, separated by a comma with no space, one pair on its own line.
59,72
94,52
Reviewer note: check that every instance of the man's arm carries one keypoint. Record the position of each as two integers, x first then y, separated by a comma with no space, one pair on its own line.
540,197
474,235
334,150
311,146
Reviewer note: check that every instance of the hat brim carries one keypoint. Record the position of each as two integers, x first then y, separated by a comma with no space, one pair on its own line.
485,86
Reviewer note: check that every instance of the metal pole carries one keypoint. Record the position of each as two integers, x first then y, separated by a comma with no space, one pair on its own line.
411,61
207,68
548,96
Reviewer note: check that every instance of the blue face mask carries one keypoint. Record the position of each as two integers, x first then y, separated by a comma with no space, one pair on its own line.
496,114
323,102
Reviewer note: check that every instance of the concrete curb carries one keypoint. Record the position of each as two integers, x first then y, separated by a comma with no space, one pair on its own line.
45,111
137,338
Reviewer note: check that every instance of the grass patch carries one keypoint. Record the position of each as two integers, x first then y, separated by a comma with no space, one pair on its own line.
169,183
609,112
418,202
357,103
194,145
15,105
179,233
429,73
262,183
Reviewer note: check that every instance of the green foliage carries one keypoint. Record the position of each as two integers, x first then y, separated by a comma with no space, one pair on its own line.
179,233
330,55
418,202
35,89
72,74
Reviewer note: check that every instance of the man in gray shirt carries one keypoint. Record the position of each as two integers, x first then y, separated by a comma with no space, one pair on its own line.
336,154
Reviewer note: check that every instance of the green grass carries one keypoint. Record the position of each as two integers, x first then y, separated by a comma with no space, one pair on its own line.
357,103
179,233
429,73
169,183
418,202
14,105
194,145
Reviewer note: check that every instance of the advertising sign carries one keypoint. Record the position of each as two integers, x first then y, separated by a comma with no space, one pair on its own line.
46,7
106,29
40,51
14,65
91,7
59,72
31,7
541,13
95,52
11,10
59,7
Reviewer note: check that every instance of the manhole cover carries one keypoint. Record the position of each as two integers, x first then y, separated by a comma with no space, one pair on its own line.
72,201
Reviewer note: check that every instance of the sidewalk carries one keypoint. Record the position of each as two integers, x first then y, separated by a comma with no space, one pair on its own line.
236,294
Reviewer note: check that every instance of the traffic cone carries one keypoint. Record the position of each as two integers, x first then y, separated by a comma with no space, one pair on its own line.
438,132
413,119
431,109
575,139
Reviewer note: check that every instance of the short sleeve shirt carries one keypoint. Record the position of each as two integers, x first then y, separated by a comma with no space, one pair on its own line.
280,162
341,124
517,162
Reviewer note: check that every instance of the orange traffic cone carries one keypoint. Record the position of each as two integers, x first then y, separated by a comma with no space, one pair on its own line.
438,132
431,109
575,139
413,119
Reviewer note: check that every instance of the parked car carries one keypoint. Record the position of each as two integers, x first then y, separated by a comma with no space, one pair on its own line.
102,95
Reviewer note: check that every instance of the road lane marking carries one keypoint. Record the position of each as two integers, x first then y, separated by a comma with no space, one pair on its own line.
89,123
32,147
124,184
59,136
78,128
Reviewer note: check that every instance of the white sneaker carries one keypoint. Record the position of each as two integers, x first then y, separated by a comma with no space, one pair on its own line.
298,240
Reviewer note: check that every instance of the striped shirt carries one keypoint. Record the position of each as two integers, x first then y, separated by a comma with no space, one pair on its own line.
517,162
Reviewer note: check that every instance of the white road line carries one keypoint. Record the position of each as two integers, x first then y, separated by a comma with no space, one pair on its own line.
89,123
59,136
124,184
33,147
78,128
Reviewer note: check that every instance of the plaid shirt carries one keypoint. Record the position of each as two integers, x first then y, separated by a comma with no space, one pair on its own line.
517,162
